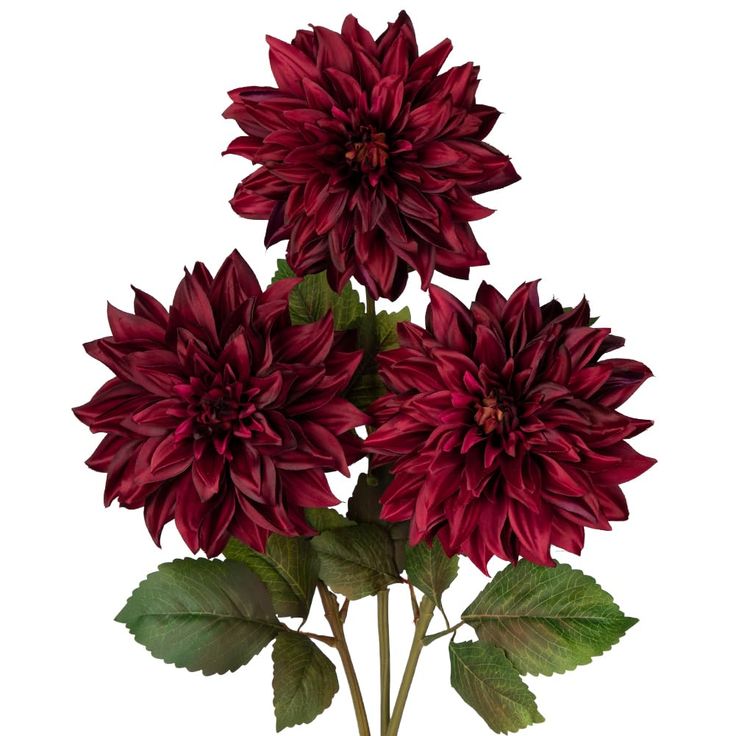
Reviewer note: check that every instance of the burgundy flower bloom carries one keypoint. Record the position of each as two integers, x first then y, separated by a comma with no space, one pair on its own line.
502,426
369,157
222,415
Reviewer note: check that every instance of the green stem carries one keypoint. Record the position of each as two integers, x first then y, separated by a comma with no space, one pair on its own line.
414,604
329,640
368,343
332,614
384,649
440,634
370,315
426,610
384,641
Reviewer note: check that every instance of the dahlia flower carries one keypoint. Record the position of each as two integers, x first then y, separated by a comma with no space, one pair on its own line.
502,426
222,415
369,157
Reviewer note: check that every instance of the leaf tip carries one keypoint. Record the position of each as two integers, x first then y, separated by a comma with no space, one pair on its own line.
628,622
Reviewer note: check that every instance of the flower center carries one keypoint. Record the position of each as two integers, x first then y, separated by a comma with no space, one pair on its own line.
217,408
489,415
216,411
368,150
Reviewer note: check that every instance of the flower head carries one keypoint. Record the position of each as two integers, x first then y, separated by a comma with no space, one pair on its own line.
502,426
369,157
222,415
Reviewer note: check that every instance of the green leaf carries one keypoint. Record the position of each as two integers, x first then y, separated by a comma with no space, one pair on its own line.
365,389
386,323
489,684
312,298
374,336
356,561
364,503
399,532
591,321
211,616
289,570
283,271
304,680
380,333
322,520
547,619
431,570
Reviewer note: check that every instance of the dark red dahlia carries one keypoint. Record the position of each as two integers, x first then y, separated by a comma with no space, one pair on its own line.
222,415
369,157
503,428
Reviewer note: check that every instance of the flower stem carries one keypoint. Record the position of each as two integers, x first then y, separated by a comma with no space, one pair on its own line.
426,610
440,634
332,614
369,363
329,640
370,336
384,649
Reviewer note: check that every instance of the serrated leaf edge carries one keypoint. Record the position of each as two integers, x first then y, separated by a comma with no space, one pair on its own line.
276,626
505,697
273,688
628,620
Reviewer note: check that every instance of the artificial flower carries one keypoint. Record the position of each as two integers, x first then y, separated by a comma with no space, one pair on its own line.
222,415
502,427
369,157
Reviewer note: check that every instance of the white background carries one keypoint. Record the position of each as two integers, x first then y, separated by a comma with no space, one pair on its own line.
620,119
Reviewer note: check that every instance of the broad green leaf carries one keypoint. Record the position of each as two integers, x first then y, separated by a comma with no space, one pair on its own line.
322,520
430,570
311,299
288,569
374,336
365,389
211,616
380,333
283,271
356,561
547,619
364,503
304,680
386,323
399,532
489,684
